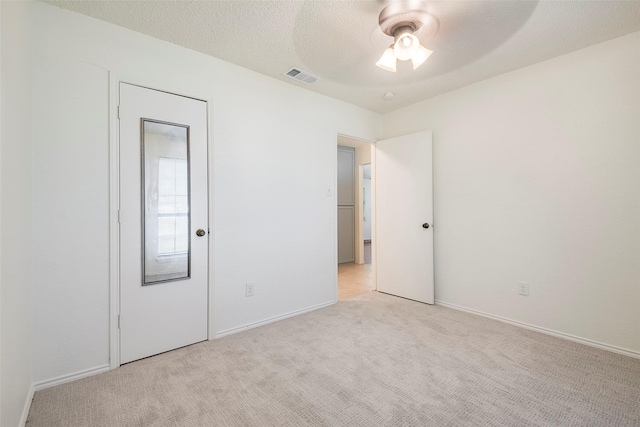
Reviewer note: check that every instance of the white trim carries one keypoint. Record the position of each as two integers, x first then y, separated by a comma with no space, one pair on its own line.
27,406
211,236
334,202
271,320
585,341
359,212
114,225
62,379
374,219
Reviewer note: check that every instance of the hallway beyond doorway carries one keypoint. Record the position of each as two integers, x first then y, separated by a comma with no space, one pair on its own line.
354,279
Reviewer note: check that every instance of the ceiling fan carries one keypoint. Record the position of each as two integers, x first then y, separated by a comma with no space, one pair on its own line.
403,20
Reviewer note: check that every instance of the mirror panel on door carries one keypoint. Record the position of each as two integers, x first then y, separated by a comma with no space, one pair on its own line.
166,202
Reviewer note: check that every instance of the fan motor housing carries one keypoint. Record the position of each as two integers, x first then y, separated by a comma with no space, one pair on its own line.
409,13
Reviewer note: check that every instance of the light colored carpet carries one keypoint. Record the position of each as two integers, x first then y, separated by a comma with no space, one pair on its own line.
376,360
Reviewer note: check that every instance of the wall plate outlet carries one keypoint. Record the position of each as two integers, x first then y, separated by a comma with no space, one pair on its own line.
250,289
523,288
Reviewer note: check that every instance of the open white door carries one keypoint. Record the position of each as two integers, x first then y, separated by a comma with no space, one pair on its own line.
404,216
163,222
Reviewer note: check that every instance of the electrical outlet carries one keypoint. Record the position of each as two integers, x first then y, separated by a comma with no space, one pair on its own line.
523,288
250,289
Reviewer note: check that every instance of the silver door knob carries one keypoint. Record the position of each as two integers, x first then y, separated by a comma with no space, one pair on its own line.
200,232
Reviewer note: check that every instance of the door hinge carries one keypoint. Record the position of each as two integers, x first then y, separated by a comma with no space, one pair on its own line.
118,111
118,321
119,216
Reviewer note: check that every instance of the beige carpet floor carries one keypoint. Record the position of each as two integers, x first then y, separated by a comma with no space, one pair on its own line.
375,360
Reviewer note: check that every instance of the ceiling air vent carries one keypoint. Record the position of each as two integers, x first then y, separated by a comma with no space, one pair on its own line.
301,76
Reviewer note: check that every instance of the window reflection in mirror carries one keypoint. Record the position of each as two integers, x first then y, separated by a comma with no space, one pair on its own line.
166,219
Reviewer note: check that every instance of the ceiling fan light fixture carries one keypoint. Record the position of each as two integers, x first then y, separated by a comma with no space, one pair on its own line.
402,20
388,60
420,56
406,44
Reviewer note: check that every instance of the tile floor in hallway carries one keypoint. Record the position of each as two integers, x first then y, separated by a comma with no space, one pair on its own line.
354,279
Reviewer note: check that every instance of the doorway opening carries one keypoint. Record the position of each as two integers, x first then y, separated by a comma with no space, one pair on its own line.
355,205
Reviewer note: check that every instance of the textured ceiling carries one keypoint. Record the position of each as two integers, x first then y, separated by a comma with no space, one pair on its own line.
339,41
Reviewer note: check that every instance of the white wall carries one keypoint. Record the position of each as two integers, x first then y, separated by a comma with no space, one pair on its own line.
537,178
16,309
273,148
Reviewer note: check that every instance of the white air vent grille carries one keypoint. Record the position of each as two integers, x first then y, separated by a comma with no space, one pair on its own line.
301,76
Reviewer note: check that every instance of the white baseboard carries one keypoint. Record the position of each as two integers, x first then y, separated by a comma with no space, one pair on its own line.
107,367
270,320
72,377
585,341
27,406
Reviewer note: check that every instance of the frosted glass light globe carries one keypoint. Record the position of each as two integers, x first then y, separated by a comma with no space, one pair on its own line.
406,46
388,60
420,56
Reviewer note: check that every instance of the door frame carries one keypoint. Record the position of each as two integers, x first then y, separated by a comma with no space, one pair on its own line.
114,207
358,224
360,221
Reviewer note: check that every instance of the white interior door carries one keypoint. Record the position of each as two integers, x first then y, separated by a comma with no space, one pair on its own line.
404,216
163,222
